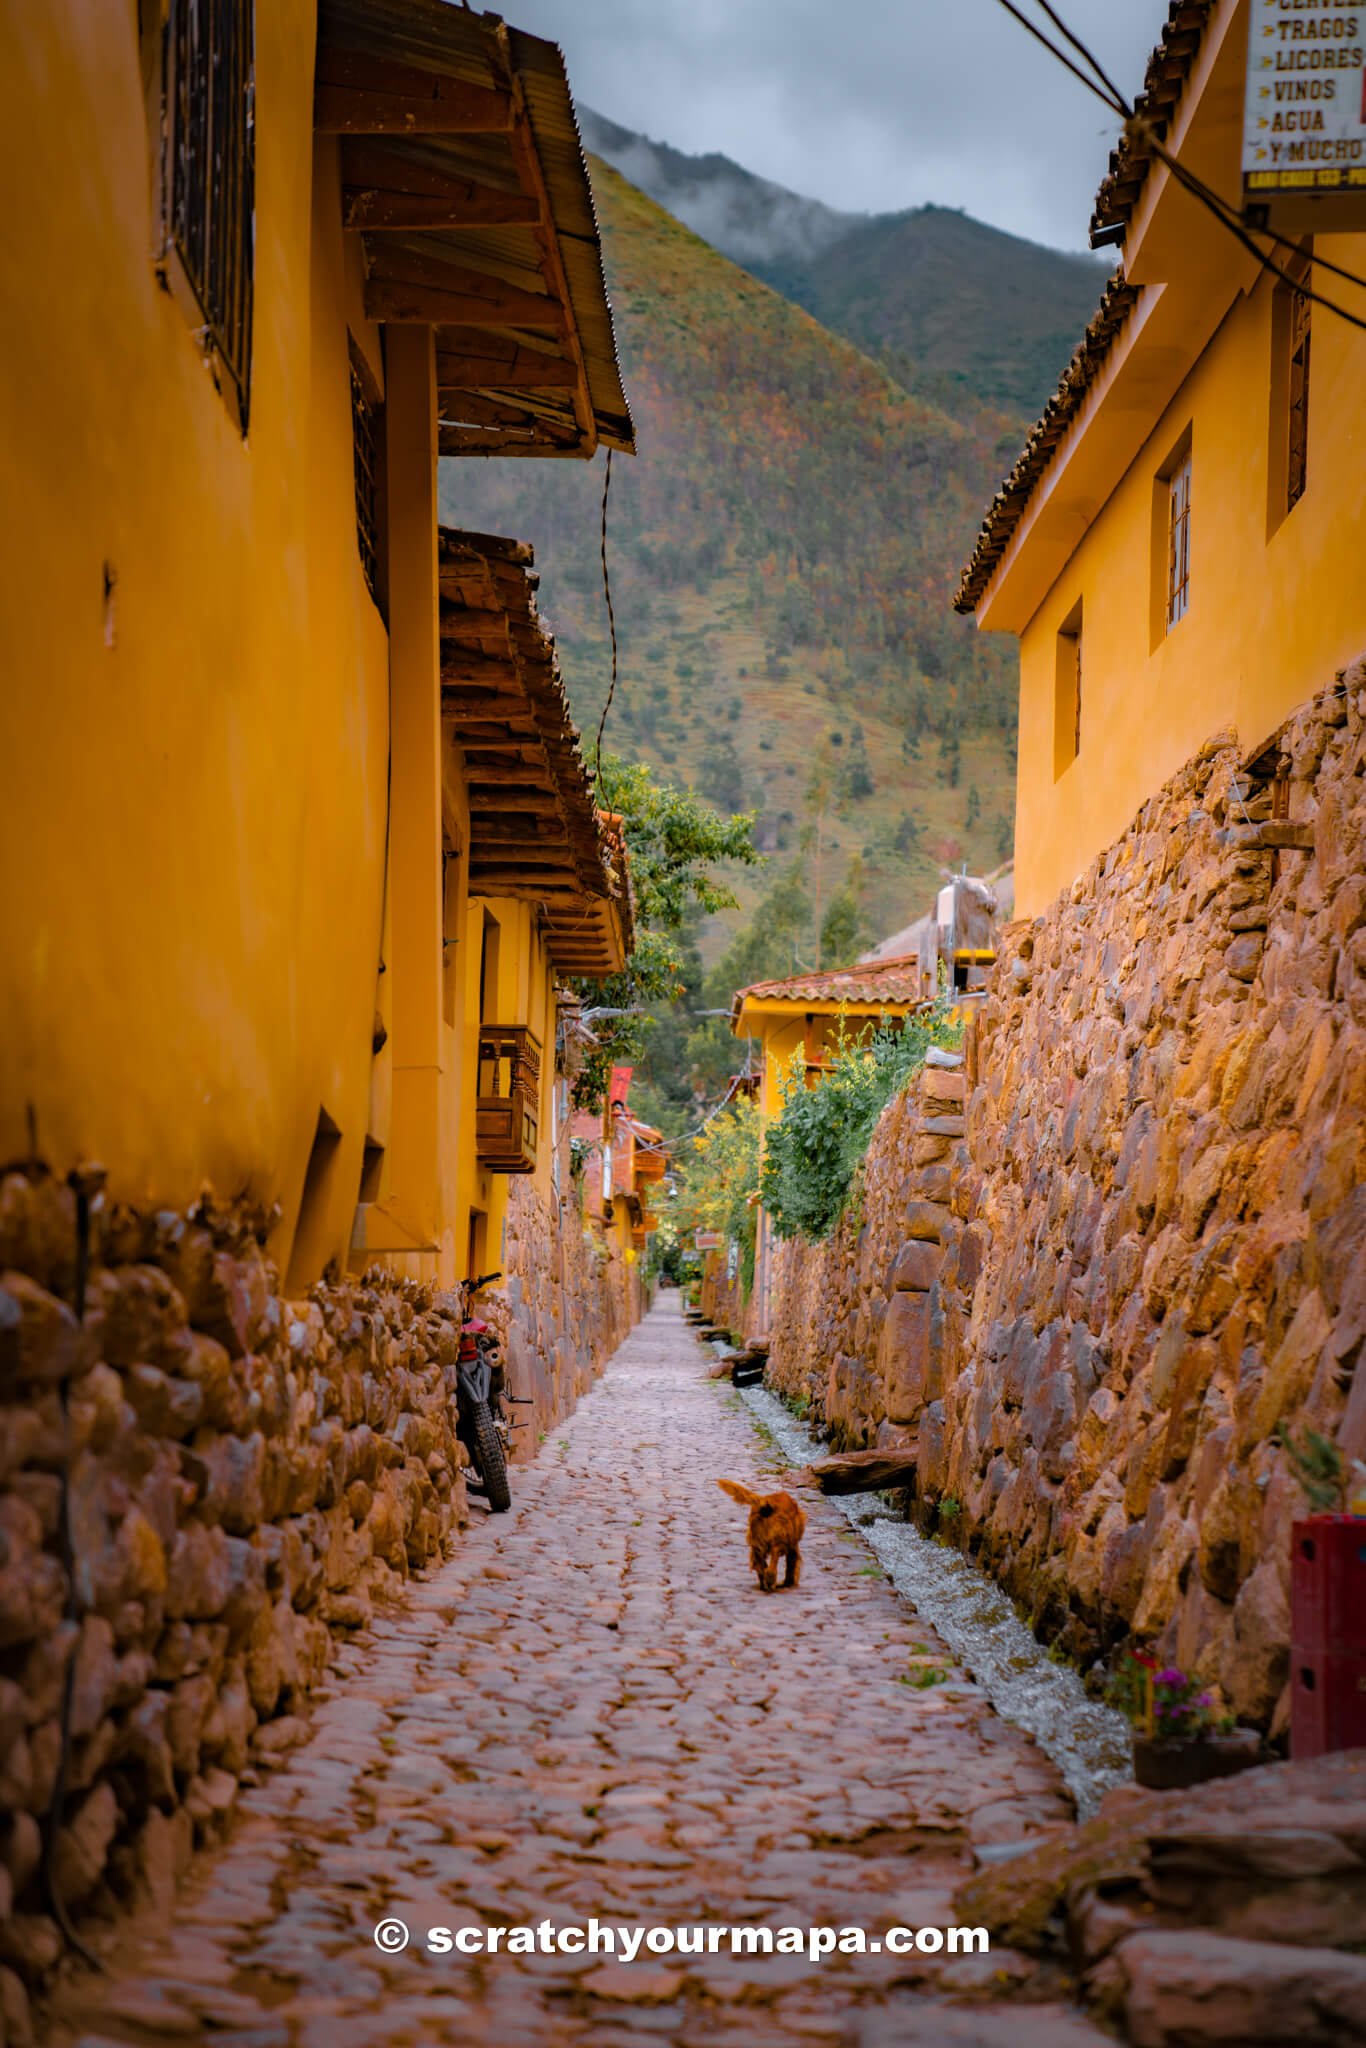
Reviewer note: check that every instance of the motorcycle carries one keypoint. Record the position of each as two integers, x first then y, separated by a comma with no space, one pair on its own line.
482,1399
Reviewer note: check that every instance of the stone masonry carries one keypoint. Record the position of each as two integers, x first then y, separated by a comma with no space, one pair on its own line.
1092,1290
247,1477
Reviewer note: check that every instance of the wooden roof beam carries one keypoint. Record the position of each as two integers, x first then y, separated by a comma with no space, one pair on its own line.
376,209
410,289
531,177
461,670
355,93
511,368
489,708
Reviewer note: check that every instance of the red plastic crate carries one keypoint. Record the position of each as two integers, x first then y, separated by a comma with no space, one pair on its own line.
1327,1703
1328,1584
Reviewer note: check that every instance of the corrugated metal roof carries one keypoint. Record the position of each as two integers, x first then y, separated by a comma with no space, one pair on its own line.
1168,70
545,380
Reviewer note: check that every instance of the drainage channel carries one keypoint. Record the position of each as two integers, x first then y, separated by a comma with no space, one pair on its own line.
1087,1741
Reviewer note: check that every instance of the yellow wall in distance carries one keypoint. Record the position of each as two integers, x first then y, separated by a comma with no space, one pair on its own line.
1273,614
194,816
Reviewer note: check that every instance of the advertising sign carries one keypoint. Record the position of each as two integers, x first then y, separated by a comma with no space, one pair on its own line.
1304,121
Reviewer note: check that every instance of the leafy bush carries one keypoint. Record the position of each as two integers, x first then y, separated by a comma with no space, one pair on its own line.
815,1148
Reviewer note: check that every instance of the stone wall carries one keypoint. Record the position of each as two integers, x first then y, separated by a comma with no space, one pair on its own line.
244,1475
722,1299
1093,1304
571,1298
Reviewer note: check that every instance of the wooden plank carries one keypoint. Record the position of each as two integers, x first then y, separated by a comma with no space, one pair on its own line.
486,881
355,93
380,209
531,175
495,412
533,859
425,305
460,669
508,369
865,1471
489,708
508,802
484,632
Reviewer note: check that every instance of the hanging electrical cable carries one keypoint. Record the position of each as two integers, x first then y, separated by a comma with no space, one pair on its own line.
611,627
1144,131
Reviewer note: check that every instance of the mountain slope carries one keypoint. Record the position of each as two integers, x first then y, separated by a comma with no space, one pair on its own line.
957,311
784,549
954,309
747,218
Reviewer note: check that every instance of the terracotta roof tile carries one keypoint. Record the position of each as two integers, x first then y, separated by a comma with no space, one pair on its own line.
889,981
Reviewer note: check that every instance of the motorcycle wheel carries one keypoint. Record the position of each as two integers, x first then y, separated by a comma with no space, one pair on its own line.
488,1452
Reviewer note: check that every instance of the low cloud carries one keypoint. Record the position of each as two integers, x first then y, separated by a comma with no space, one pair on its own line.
870,107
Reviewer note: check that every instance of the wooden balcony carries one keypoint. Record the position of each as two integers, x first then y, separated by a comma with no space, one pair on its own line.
508,1108
650,1166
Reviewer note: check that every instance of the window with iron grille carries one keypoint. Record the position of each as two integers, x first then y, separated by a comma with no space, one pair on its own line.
1179,541
209,179
1297,387
367,436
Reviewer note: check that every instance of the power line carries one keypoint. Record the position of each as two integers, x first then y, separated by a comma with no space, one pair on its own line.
1136,127
611,622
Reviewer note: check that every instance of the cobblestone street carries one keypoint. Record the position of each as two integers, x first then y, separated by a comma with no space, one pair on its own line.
592,1711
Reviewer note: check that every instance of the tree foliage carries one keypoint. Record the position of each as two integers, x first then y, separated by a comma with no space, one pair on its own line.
718,1180
815,1148
676,844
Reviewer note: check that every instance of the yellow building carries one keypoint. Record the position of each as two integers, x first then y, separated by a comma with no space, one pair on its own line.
802,1021
295,825
1180,547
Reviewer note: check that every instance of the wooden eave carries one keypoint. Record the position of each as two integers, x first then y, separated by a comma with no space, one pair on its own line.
535,831
464,176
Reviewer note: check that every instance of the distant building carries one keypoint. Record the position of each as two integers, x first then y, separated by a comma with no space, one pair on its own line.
1181,548
802,1020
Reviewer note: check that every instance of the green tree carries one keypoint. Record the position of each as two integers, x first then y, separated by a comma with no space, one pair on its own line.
718,1176
719,774
843,929
676,844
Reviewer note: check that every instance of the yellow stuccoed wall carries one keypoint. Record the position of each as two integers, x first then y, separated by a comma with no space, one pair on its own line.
1268,617
196,779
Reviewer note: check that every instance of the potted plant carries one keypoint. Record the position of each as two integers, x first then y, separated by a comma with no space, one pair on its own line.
1180,1736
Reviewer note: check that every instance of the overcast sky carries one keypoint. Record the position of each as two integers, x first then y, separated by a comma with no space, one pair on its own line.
871,105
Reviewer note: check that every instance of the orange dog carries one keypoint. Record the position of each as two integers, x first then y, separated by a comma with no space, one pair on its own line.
775,1530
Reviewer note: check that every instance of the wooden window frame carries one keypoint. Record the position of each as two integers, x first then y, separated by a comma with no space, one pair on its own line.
1170,581
1067,662
369,467
1288,436
206,182
1179,541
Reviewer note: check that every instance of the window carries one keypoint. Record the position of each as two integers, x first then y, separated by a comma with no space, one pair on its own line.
1288,452
209,172
367,435
1178,541
1067,693
452,911
1297,436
